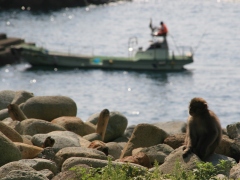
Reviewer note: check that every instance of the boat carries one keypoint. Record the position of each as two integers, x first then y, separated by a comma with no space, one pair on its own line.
156,57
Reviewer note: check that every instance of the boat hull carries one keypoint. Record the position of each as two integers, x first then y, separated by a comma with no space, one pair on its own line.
100,62
37,56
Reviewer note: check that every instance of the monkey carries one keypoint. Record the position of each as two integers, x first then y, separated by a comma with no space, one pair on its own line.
204,131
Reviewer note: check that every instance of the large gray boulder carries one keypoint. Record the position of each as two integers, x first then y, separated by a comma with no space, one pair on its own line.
10,133
175,157
69,152
116,125
62,139
37,126
16,165
157,153
74,124
233,130
9,152
235,172
49,107
144,135
114,149
6,98
4,114
40,164
11,97
172,127
21,97
24,175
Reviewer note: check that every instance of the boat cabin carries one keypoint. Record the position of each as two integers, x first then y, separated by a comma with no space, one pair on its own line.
158,50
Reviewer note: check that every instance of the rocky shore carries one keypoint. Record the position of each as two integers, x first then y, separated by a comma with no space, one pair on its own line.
48,4
42,138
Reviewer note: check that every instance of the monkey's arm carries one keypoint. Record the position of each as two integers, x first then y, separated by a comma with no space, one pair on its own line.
190,140
205,142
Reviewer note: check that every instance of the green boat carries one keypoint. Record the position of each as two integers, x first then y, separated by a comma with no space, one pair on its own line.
156,58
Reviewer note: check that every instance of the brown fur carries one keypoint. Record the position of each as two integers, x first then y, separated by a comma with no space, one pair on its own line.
204,131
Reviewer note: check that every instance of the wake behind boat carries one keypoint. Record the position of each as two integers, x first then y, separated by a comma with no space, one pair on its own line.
156,58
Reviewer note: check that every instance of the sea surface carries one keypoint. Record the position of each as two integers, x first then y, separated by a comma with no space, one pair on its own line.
210,27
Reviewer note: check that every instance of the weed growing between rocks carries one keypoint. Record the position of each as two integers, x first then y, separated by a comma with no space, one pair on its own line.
203,171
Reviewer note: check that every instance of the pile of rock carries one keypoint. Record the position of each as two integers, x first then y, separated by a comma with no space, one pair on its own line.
49,139
7,56
48,4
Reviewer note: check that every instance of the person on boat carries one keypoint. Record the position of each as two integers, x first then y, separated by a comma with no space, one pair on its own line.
161,31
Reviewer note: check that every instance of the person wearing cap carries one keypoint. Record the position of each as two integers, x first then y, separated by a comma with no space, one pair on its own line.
163,30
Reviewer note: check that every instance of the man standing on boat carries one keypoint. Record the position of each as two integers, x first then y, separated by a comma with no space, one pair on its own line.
161,31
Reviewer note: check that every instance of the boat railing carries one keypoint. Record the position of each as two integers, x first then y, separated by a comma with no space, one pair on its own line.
184,52
132,44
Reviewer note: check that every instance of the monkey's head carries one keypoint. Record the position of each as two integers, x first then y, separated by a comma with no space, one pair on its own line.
198,106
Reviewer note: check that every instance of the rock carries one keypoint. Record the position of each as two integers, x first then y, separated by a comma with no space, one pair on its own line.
229,147
12,124
68,174
221,177
93,137
47,173
68,152
26,140
89,128
4,114
139,158
175,141
28,151
172,127
40,164
37,126
16,165
114,149
43,5
21,97
24,175
16,113
73,124
52,106
11,97
129,130
157,153
6,97
84,142
62,139
144,135
188,163
48,153
234,172
233,130
216,158
116,125
122,141
10,133
95,163
9,152
100,146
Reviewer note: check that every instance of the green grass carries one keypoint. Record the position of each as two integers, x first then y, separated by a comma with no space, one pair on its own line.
204,171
